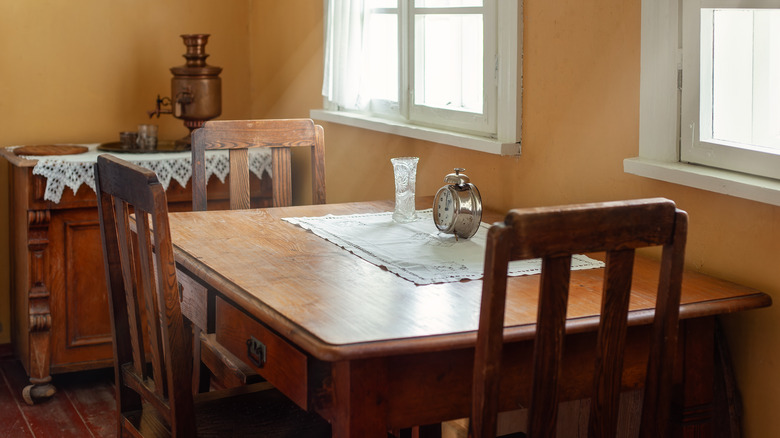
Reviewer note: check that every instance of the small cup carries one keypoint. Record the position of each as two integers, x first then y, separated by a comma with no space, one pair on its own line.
147,137
405,173
128,140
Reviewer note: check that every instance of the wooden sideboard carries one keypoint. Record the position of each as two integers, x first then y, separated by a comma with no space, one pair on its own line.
59,309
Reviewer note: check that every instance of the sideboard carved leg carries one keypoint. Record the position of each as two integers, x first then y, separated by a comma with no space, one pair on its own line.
39,309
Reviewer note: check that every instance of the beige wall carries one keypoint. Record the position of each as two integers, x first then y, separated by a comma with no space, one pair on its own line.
66,82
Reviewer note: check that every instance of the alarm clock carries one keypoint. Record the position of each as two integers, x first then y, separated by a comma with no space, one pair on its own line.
457,207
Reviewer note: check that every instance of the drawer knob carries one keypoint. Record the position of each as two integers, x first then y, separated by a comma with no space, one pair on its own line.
255,350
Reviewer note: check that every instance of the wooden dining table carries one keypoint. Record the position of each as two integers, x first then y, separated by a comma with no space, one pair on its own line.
373,352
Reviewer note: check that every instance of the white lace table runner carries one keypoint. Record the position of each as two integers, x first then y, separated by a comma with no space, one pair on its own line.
417,251
72,171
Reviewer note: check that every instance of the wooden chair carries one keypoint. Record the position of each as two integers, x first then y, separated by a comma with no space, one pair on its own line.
154,391
554,234
238,136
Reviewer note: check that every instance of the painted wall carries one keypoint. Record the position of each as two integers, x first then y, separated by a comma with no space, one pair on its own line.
82,71
580,120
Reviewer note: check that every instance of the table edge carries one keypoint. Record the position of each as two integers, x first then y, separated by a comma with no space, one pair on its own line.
325,351
747,299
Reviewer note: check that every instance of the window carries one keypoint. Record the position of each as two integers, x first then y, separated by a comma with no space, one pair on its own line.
709,97
440,70
731,108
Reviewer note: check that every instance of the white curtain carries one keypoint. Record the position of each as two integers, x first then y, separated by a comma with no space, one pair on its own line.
343,80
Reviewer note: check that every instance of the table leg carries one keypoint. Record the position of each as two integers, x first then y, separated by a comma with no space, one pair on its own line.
698,376
427,431
360,399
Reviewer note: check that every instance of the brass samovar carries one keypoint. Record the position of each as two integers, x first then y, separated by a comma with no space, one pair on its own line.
196,88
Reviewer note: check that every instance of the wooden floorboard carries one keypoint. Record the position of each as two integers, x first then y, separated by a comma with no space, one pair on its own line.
83,406
92,395
12,421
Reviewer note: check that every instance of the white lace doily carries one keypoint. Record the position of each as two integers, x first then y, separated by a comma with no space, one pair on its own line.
72,171
417,251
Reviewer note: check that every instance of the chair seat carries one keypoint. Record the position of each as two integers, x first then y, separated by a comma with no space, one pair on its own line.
256,410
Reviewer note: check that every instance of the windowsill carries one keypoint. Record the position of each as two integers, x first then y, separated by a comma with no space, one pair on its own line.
737,184
491,146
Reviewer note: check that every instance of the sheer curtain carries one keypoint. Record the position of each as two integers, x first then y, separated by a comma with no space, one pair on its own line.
345,66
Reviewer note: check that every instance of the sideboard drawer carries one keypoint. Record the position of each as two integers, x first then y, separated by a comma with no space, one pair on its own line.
270,355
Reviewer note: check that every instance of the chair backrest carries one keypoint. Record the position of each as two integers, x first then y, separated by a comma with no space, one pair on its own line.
237,136
554,234
140,271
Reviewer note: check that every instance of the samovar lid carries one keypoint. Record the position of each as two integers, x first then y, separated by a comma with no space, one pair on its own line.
196,57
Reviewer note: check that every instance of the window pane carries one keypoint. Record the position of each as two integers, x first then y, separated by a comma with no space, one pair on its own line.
446,3
732,75
745,63
382,56
448,62
370,4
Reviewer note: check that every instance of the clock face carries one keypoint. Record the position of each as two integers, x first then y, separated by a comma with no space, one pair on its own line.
445,209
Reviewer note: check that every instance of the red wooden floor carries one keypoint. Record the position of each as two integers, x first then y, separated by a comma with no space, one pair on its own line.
82,407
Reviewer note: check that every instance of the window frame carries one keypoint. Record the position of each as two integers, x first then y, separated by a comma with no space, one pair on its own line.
660,114
505,108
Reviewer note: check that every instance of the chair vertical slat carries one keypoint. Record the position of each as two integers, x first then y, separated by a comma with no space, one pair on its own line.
611,341
318,167
239,179
149,292
175,337
657,396
490,338
119,307
282,179
198,181
127,257
548,344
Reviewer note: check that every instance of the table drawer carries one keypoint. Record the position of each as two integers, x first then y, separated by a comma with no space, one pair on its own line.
279,362
193,297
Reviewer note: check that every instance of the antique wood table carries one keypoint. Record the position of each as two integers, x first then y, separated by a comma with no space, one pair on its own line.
372,352
59,308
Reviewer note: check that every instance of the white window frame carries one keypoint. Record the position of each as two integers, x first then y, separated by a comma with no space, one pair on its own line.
504,99
660,121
